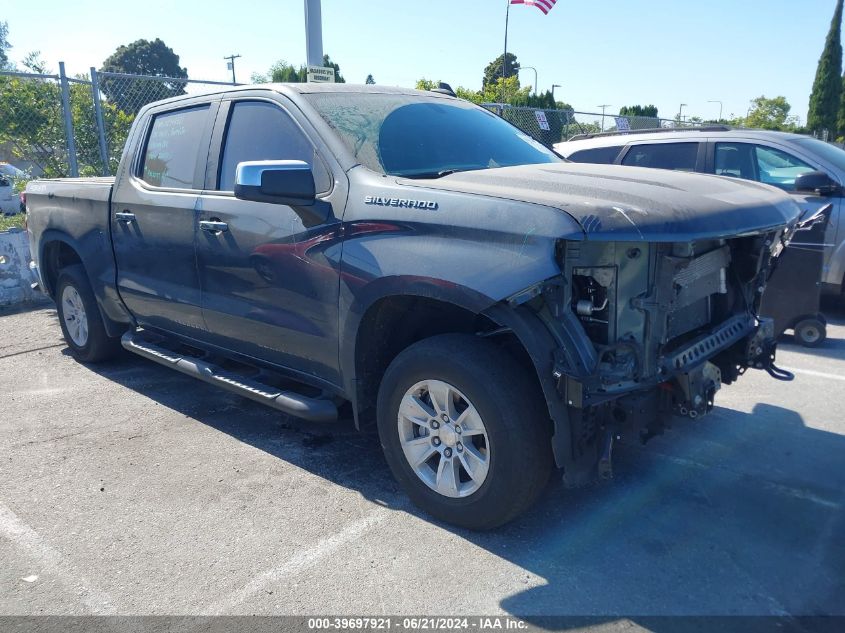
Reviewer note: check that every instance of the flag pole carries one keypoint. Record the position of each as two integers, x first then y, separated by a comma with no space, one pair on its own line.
505,56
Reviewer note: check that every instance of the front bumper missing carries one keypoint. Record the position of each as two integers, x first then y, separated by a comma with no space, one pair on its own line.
731,347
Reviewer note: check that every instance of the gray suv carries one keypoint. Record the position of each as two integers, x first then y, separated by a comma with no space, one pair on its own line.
773,158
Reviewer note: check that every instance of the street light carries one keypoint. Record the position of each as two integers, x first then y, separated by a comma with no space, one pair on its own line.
553,90
603,106
535,76
681,113
720,108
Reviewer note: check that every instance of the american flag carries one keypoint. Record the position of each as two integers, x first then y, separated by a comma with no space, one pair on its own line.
544,5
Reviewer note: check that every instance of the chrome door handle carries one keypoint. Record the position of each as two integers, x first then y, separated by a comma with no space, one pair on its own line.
213,226
125,216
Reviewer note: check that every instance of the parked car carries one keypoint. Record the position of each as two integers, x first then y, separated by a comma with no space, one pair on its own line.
9,201
415,260
11,171
773,158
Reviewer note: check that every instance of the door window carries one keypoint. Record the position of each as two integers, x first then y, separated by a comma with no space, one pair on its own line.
259,130
601,155
677,156
759,162
170,156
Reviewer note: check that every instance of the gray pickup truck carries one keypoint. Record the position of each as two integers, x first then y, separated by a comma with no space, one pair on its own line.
411,259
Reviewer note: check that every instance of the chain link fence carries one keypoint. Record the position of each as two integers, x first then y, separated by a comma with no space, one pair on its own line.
553,126
55,126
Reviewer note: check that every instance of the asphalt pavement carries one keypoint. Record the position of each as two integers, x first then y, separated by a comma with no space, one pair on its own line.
127,488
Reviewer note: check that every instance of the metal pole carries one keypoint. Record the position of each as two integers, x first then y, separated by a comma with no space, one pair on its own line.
71,144
98,114
505,56
720,108
603,106
313,33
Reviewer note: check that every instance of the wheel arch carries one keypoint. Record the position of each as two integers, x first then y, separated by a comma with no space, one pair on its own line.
373,342
58,250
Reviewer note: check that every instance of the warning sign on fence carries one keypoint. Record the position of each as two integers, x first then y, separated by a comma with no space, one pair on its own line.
542,121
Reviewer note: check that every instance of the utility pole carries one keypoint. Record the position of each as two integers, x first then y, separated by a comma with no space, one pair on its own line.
313,33
231,66
603,106
505,56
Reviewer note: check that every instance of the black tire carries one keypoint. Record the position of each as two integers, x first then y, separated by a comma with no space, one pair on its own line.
98,345
810,332
513,412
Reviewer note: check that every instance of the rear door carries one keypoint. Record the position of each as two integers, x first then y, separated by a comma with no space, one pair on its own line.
154,219
270,278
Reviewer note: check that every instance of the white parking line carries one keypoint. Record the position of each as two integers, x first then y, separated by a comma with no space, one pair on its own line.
51,562
301,561
817,374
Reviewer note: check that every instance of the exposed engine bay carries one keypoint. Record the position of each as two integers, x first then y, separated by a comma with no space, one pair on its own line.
648,331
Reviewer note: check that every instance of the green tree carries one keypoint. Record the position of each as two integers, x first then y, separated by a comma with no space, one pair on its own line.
328,63
370,81
769,114
32,124
282,72
142,57
827,86
639,110
285,73
4,46
493,71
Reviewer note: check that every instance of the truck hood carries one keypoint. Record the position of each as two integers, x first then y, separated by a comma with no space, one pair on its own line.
615,203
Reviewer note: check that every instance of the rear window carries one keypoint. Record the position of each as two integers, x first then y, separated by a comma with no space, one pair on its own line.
170,156
603,155
677,156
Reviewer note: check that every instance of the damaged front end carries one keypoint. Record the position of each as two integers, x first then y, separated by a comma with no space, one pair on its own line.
645,331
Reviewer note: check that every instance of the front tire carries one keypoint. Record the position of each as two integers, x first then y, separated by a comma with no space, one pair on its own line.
79,316
464,430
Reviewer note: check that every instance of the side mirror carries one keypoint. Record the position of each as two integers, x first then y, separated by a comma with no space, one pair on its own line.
816,182
288,182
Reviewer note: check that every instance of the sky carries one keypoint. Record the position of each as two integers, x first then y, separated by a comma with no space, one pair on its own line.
617,52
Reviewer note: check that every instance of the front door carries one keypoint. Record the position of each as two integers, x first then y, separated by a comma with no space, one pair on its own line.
778,167
269,275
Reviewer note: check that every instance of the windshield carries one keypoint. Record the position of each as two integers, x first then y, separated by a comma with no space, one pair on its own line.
827,152
425,137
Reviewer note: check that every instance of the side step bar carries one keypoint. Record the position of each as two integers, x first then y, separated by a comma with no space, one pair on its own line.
312,409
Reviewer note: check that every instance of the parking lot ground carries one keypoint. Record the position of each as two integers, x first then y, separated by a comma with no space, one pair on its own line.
127,488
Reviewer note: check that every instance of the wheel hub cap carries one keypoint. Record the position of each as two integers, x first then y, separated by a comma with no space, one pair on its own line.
74,316
444,438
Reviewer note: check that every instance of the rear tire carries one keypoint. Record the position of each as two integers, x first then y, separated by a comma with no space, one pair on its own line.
486,472
79,316
810,332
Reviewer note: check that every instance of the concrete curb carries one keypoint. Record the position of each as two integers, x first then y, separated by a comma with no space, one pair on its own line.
15,276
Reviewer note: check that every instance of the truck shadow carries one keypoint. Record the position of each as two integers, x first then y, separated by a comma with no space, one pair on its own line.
736,513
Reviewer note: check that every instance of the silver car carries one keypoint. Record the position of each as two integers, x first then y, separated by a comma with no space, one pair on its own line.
774,158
